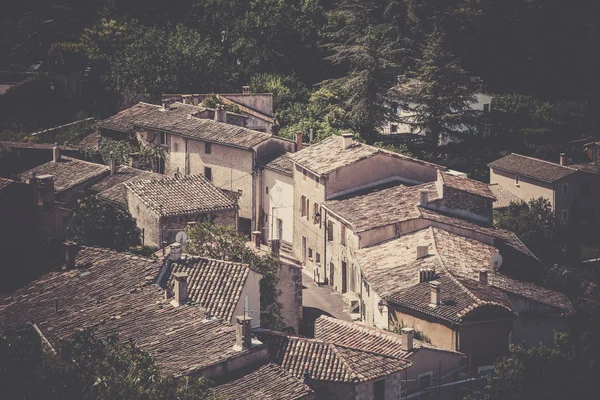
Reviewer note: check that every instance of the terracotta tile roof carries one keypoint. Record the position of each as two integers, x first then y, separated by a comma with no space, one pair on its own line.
4,183
216,285
179,120
466,185
269,382
31,145
114,292
185,195
361,337
392,270
380,206
503,196
328,155
326,361
112,187
68,172
282,164
532,167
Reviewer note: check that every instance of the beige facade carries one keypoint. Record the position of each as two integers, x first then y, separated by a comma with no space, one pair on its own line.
277,206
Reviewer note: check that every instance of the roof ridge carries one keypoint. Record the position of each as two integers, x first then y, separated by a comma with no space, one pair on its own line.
544,161
354,376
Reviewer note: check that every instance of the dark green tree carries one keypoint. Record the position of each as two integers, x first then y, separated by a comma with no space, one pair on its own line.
366,46
224,243
86,368
290,96
439,92
99,223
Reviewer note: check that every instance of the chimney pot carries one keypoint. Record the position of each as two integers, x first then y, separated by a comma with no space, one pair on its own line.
347,142
181,287
298,140
56,153
71,249
175,253
483,276
422,251
435,294
407,339
220,114
245,89
243,330
563,159
423,197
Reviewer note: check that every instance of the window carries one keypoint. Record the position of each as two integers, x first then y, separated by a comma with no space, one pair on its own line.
316,181
564,215
310,252
329,231
394,128
208,148
303,206
424,383
317,258
517,180
486,107
316,216
585,189
565,188
394,108
208,173
343,234
303,174
266,217
308,209
267,190
162,137
379,389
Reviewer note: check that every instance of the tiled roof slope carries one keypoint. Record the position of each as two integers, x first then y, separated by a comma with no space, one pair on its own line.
113,292
111,187
327,361
179,120
269,382
328,155
362,337
466,185
282,164
30,145
503,197
532,167
68,172
4,183
184,195
214,284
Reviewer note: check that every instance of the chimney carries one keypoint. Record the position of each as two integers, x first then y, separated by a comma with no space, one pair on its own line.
181,287
45,187
275,246
483,276
426,275
298,140
435,294
165,104
245,89
56,153
256,238
347,142
407,339
134,160
220,114
186,99
594,153
71,249
32,180
310,135
243,333
423,197
175,253
422,251
563,159
112,164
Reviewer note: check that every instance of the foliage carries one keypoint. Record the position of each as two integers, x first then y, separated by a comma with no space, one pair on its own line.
289,95
211,101
99,223
396,148
119,150
223,242
86,368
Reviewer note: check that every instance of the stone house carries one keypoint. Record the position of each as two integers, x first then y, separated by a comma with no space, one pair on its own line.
431,366
163,207
571,189
334,168
335,370
226,154
255,108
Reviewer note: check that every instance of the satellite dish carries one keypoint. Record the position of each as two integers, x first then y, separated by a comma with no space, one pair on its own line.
496,260
181,237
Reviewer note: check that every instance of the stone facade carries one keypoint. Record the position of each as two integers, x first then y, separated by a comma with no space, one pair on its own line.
290,297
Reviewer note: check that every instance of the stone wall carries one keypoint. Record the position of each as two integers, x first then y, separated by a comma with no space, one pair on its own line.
464,205
290,285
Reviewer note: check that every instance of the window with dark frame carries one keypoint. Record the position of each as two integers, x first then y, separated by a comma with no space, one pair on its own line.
208,148
208,173
342,234
329,231
162,137
303,206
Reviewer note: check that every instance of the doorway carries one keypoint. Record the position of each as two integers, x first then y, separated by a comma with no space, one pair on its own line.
279,229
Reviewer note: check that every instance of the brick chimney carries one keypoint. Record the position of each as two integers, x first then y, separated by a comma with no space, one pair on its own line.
435,294
423,197
298,140
243,333
563,159
71,250
347,142
175,253
245,89
483,276
220,114
180,287
407,339
56,153
422,251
